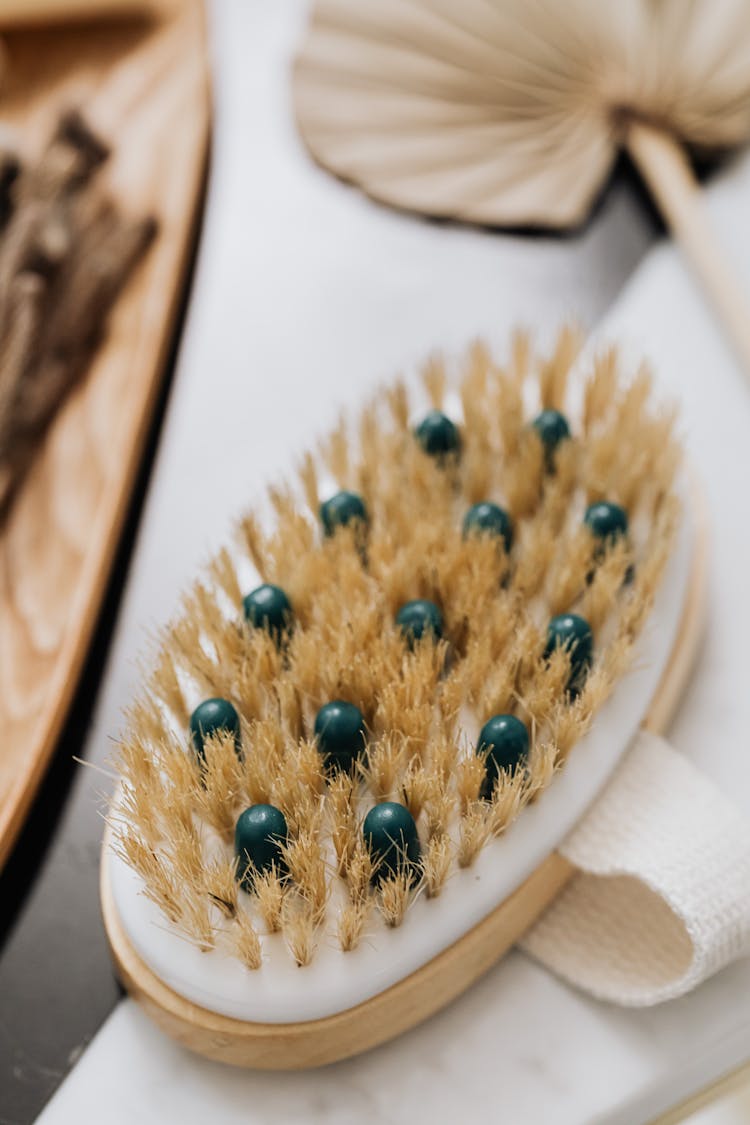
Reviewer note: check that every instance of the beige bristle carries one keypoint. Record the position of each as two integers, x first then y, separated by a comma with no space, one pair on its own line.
471,675
282,501
181,778
397,398
159,882
600,389
559,490
196,922
506,405
541,768
520,355
254,542
385,761
186,857
166,686
351,924
246,942
498,689
512,791
442,760
416,787
474,832
268,889
606,583
477,463
260,769
176,815
595,692
434,379
544,689
436,864
394,896
553,374
299,926
470,773
568,575
219,794
259,669
524,474
146,721
336,453
473,391
308,475
567,726
220,882
538,551
224,573
616,659
143,799
173,890
405,716
187,646
359,873
306,866
526,654
438,813
298,785
343,818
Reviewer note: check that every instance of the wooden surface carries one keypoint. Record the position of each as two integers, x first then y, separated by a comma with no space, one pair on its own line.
145,85
435,984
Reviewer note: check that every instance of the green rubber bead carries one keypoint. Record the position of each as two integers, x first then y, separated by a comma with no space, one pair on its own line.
437,434
259,836
504,740
606,521
341,510
487,518
268,607
552,427
391,838
210,717
419,617
573,633
340,733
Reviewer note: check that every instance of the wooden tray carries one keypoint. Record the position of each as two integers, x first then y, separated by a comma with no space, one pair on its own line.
144,84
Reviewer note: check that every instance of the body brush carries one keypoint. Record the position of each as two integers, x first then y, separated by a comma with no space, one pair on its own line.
381,710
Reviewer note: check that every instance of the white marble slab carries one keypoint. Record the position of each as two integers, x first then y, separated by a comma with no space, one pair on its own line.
306,296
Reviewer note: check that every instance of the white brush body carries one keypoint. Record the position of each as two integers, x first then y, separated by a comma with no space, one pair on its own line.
280,992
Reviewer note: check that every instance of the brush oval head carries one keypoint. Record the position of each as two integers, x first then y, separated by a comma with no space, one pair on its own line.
439,692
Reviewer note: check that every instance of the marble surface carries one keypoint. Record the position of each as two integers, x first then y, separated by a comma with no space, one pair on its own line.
306,297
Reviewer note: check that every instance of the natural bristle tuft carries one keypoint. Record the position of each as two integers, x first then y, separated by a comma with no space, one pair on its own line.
413,628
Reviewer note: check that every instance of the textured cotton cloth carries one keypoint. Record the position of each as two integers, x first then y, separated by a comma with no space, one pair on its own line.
661,899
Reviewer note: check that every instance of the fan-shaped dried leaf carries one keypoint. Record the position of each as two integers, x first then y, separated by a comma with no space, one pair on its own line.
505,111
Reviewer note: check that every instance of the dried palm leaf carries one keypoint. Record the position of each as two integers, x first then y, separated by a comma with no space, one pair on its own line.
513,111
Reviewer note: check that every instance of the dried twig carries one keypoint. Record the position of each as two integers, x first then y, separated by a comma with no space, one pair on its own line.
65,253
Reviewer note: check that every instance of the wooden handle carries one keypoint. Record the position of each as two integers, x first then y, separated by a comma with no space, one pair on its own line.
666,169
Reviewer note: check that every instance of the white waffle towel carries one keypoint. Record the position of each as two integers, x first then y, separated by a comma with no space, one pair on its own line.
661,899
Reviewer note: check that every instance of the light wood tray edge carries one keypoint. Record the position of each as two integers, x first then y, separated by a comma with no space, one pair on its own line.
106,533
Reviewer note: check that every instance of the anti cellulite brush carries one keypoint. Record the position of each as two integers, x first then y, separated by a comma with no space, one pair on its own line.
382,708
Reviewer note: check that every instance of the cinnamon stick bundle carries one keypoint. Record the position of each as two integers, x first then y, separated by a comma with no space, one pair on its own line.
65,253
